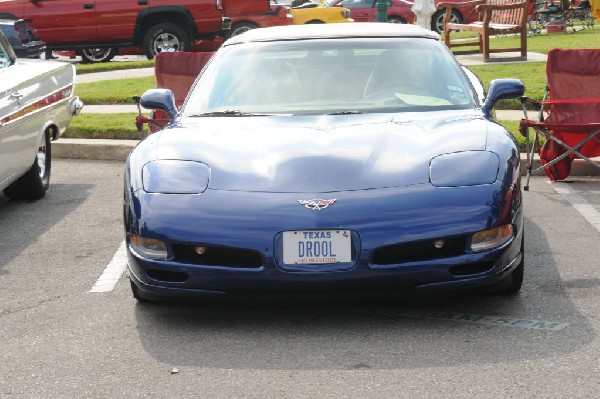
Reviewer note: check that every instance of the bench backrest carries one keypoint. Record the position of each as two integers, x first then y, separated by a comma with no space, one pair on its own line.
515,16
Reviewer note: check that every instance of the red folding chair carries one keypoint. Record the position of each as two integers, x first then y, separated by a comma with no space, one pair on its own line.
569,114
176,71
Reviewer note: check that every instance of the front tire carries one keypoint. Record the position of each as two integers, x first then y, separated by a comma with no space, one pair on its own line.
34,184
240,27
143,298
396,20
516,277
165,37
100,54
437,20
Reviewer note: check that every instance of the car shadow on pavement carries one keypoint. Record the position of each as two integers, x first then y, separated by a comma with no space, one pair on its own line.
25,222
477,329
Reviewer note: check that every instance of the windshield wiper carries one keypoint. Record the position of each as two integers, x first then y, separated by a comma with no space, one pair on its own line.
347,112
229,112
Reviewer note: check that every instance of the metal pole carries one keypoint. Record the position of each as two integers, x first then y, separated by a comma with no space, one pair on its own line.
382,7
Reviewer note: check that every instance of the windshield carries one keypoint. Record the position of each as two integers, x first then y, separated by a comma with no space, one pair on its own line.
331,76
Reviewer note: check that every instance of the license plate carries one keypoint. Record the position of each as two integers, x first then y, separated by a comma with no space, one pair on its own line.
316,247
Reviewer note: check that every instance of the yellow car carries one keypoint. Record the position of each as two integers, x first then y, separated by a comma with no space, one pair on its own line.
311,12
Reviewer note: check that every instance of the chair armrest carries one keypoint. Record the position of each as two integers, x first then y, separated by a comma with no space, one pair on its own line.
523,126
466,4
526,100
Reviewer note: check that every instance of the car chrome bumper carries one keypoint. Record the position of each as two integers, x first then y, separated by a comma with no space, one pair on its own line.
75,106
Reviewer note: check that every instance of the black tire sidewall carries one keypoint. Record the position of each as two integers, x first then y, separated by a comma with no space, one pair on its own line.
167,27
398,20
32,186
239,25
45,180
439,16
111,54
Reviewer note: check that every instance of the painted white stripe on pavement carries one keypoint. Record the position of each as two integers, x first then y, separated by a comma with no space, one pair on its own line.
113,272
578,202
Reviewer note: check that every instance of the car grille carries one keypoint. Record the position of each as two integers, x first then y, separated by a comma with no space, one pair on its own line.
418,251
426,250
218,256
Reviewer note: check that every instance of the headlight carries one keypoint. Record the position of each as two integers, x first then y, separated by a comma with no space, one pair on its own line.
468,168
148,247
490,239
175,177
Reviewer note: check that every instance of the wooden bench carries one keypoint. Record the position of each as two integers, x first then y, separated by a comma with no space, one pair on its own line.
496,17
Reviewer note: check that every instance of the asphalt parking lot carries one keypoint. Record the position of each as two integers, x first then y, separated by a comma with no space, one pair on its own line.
63,339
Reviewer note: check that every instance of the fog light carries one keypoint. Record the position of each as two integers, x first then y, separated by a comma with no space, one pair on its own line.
200,250
148,247
493,238
439,244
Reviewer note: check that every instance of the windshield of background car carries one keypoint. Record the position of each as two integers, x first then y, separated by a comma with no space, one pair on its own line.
331,76
354,3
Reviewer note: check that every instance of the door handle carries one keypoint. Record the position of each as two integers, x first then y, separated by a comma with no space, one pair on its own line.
15,96
142,2
88,6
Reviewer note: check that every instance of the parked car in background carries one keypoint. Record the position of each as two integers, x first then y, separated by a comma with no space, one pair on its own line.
23,38
277,16
366,10
313,12
459,15
323,161
154,26
399,11
36,106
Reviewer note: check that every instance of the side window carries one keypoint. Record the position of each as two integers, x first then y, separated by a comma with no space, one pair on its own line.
4,58
358,4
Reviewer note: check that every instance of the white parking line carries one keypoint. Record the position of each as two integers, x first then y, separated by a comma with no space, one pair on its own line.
578,202
113,272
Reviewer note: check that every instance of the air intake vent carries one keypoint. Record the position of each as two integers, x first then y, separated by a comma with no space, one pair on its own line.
419,251
218,256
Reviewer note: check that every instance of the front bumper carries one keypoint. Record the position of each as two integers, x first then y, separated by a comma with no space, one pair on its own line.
363,279
75,106
376,218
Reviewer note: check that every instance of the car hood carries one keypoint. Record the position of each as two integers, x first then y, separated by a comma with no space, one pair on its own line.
323,153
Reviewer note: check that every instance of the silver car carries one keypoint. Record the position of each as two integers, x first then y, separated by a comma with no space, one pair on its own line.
36,105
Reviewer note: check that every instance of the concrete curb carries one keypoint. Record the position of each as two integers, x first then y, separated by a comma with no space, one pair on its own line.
102,150
118,150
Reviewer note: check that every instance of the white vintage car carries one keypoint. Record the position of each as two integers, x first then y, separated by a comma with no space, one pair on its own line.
36,105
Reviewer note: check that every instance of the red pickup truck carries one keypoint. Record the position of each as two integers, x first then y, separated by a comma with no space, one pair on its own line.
154,25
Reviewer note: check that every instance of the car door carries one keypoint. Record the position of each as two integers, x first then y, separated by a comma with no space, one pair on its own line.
116,19
35,98
60,22
14,142
362,10
244,7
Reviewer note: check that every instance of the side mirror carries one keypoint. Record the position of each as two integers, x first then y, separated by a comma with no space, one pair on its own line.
502,89
162,99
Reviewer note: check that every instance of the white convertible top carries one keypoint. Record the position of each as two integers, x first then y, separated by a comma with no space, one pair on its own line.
332,31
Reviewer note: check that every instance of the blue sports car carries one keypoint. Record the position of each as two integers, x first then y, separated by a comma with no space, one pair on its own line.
352,158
